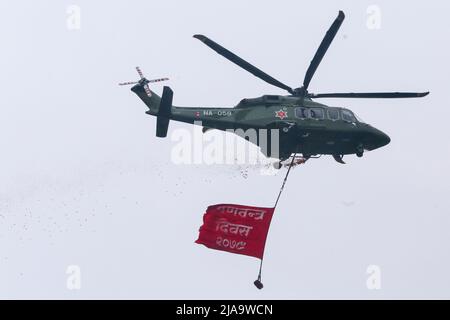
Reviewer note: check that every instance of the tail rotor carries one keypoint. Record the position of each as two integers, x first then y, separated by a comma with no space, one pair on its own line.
143,82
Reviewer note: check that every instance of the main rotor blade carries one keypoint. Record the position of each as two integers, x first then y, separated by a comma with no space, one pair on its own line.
242,63
389,95
324,45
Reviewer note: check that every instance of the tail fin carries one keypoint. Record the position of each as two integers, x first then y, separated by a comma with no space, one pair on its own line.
159,107
164,112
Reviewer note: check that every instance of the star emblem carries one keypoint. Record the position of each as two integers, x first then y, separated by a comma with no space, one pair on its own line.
281,114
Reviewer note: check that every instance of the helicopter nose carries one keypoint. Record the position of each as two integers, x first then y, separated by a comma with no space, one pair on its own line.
384,139
380,139
377,139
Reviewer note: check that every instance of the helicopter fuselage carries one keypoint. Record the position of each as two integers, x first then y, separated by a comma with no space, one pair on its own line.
305,126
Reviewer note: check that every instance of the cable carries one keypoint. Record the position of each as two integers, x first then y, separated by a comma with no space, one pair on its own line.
258,282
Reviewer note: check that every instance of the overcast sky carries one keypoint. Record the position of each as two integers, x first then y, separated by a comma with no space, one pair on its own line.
84,181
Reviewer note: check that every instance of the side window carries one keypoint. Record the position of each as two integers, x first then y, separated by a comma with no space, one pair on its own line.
333,114
301,113
348,116
317,113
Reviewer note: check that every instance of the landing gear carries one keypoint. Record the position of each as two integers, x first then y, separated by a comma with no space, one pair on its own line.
338,158
277,165
360,151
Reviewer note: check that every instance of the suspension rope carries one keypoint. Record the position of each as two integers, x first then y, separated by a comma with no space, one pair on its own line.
284,181
258,282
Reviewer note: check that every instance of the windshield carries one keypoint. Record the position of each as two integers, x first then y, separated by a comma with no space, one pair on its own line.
358,118
347,115
350,116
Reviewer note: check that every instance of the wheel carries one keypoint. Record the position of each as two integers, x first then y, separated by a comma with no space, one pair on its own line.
359,151
277,165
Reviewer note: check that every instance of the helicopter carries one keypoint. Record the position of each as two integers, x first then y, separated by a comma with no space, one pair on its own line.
305,127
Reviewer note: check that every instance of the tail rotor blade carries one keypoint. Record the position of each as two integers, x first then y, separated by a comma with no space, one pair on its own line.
128,83
147,90
139,71
158,80
143,82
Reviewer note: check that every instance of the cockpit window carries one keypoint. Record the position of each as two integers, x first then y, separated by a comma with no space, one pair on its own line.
316,113
313,113
301,113
348,116
333,114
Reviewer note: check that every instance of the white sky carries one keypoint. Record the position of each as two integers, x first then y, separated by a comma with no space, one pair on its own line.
84,181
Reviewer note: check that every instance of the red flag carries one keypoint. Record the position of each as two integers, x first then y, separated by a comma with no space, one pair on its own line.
236,229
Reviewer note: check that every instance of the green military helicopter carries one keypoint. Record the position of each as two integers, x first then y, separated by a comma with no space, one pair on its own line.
305,126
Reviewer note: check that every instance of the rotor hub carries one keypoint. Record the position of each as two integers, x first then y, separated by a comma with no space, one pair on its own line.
143,81
301,92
